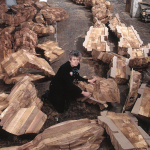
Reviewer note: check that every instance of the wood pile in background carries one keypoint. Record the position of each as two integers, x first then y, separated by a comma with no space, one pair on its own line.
134,84
104,90
25,39
51,50
96,38
73,134
23,114
141,108
123,130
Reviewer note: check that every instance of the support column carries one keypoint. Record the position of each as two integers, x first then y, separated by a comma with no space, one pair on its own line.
135,8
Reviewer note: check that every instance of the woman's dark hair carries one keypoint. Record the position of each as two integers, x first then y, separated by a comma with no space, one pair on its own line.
75,53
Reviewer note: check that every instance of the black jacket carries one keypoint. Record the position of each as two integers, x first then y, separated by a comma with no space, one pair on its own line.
63,80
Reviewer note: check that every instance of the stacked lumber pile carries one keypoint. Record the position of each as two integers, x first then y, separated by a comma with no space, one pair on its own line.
22,114
104,90
25,39
134,84
123,130
3,7
141,108
12,64
51,50
73,134
96,38
38,28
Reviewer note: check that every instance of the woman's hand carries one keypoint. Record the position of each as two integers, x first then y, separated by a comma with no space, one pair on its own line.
92,81
86,94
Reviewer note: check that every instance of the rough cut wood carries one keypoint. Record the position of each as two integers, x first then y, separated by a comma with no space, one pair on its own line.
9,30
40,5
3,7
3,102
11,64
22,114
104,90
6,41
38,28
119,69
39,18
6,19
141,107
25,120
96,38
26,1
51,50
134,84
28,11
139,57
123,130
2,75
80,2
91,3
129,39
54,14
114,22
13,80
25,39
73,134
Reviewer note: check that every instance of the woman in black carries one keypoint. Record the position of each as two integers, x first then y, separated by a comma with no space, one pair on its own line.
62,89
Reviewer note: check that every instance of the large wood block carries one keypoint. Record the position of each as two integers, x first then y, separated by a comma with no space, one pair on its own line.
54,14
11,64
51,50
96,38
38,28
73,134
25,39
141,107
134,84
23,95
123,130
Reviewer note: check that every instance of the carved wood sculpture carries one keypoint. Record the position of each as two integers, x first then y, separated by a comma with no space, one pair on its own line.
129,39
54,14
26,1
141,107
51,50
134,84
104,90
22,114
6,41
3,7
96,38
73,134
139,57
3,102
38,28
28,11
25,39
123,130
101,12
119,69
11,64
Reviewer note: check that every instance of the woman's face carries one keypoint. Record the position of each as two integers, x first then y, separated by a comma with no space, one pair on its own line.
74,61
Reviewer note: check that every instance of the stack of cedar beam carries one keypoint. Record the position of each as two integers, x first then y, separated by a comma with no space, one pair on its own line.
145,11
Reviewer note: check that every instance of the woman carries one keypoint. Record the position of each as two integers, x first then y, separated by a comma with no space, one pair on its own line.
62,89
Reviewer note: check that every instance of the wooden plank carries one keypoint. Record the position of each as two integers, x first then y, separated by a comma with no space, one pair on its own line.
76,134
123,131
20,59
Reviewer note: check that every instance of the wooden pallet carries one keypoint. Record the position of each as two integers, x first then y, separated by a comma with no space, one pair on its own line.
51,50
11,64
141,107
134,84
73,134
96,38
123,130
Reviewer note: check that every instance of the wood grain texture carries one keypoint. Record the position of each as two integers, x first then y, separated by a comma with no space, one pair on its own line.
11,64
74,134
51,50
3,102
123,130
141,107
134,84
96,38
